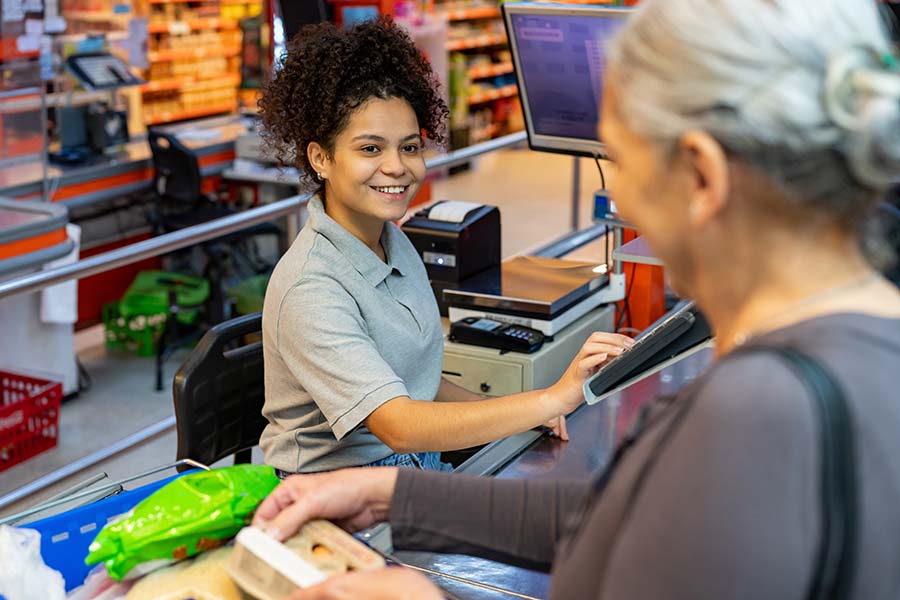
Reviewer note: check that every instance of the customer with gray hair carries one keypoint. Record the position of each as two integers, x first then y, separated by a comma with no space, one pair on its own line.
753,139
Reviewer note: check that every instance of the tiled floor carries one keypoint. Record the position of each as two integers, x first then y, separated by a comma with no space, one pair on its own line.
533,192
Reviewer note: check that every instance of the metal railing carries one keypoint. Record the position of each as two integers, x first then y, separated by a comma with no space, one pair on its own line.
190,236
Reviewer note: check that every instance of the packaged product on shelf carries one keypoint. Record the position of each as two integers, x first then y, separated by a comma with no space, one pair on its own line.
197,512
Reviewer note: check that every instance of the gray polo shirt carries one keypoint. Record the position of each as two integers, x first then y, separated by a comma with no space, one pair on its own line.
343,333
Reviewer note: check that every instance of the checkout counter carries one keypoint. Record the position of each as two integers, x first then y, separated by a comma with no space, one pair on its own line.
36,332
103,178
107,176
594,433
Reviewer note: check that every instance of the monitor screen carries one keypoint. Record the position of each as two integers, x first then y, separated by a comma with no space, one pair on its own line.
559,53
101,71
295,14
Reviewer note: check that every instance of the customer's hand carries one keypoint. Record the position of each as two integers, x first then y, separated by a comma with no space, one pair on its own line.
352,498
391,583
597,350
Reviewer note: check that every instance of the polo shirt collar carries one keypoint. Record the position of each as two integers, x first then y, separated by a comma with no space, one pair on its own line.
355,251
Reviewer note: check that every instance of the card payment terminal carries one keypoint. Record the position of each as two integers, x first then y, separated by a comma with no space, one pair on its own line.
479,331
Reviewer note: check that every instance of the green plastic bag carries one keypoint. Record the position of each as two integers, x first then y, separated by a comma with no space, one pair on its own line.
191,514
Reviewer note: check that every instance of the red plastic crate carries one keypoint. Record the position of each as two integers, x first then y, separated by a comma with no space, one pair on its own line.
29,416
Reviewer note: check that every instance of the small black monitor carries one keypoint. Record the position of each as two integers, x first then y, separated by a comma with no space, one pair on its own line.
297,13
101,71
559,55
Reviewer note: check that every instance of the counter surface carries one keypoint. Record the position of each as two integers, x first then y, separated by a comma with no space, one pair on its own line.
593,431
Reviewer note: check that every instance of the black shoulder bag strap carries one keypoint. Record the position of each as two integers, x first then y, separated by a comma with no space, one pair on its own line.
834,568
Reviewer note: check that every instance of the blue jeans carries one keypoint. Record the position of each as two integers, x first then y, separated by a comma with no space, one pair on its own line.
430,461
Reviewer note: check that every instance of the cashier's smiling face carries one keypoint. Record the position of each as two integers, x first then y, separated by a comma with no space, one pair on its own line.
377,165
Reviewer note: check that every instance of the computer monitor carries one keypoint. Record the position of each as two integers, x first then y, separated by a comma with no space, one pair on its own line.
101,71
559,55
297,13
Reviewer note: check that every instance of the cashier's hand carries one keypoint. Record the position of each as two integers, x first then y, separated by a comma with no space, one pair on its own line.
351,498
391,583
558,428
599,349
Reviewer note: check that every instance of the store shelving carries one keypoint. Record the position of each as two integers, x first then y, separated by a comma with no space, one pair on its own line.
191,83
193,57
492,70
194,113
182,1
10,51
200,24
191,53
474,13
484,101
507,91
23,95
477,41
483,94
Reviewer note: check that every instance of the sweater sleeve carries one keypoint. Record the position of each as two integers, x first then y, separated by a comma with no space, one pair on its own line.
513,521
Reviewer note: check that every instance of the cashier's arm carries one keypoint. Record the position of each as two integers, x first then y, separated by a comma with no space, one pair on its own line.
450,392
458,421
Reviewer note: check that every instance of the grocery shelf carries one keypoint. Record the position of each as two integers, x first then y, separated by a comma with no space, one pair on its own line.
190,53
471,14
181,1
9,50
480,72
191,83
180,115
98,16
507,91
478,41
193,25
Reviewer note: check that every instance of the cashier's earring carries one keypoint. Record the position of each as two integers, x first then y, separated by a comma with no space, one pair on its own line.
319,176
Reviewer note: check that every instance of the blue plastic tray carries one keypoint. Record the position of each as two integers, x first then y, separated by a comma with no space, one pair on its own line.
65,537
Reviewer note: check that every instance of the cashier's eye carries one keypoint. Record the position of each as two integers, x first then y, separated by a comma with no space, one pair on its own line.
370,149
411,148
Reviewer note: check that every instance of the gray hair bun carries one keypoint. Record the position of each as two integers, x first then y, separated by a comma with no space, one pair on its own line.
862,95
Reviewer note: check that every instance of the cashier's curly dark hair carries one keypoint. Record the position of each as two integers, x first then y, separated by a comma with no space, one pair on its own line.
327,73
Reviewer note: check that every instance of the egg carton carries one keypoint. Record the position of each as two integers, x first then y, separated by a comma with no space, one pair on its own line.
270,570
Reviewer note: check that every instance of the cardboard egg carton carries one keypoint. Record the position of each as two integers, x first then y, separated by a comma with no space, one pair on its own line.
270,570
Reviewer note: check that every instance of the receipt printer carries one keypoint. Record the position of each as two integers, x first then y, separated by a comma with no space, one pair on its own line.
456,239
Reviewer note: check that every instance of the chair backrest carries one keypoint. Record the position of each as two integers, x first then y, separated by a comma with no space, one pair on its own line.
219,395
176,169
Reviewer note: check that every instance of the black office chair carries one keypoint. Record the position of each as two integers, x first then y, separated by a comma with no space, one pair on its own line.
218,394
180,203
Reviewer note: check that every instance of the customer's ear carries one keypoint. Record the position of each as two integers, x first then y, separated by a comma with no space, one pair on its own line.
707,165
